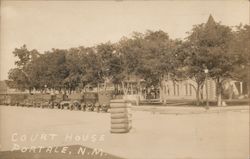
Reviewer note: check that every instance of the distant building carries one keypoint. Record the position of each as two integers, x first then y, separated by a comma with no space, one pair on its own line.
3,87
185,89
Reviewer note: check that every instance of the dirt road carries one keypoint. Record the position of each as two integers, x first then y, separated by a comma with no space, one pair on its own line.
214,135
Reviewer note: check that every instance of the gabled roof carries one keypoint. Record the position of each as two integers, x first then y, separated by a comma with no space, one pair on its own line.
210,21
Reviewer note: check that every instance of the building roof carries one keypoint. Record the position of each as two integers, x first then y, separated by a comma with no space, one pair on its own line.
210,21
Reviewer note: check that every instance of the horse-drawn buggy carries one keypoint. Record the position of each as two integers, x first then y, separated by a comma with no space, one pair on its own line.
104,100
91,101
70,102
87,101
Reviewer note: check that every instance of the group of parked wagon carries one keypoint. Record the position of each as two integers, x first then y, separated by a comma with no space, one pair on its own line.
88,101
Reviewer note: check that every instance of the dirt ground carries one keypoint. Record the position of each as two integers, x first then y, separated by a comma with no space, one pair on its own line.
157,133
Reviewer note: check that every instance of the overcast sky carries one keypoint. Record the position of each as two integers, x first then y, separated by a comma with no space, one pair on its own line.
43,25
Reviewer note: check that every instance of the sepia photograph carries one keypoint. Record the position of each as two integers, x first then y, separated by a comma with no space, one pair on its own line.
124,79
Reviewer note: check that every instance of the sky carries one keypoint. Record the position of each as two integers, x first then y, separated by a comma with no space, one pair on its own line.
44,25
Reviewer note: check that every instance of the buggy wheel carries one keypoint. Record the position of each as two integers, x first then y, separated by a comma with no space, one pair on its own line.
92,107
83,107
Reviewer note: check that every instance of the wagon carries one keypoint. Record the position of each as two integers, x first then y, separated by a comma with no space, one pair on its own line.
55,101
89,101
63,101
104,100
28,102
40,102
76,101
16,99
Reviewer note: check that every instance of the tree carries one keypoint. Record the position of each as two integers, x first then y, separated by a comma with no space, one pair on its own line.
195,63
17,79
240,49
148,56
37,67
92,68
128,58
21,77
157,59
52,70
209,48
73,63
106,53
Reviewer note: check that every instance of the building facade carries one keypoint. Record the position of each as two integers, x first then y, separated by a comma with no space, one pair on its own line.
186,89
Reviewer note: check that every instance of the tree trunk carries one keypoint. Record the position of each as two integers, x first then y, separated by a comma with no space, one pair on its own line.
124,89
105,86
116,89
30,90
202,93
131,89
162,92
98,87
219,101
219,92
198,95
230,92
